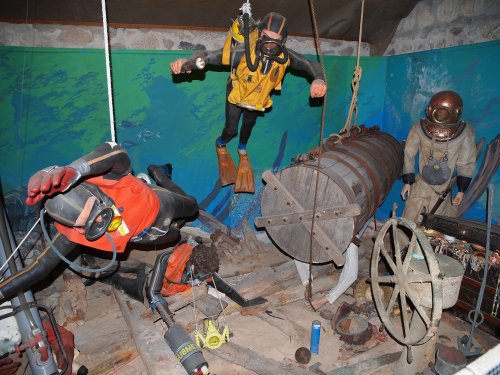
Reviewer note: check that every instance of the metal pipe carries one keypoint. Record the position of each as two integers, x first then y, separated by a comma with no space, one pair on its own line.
465,343
28,319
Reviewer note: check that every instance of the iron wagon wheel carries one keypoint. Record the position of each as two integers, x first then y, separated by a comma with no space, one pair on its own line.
412,278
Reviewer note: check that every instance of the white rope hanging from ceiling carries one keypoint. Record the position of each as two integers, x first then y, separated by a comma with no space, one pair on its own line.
108,71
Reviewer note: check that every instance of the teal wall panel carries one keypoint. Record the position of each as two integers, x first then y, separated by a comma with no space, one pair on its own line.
54,106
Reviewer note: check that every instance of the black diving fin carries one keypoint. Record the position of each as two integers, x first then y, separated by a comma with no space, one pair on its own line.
229,291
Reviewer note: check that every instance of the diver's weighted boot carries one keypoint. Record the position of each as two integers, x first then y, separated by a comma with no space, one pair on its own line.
244,178
227,168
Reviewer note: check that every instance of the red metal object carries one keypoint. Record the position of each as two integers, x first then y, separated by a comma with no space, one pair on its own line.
36,341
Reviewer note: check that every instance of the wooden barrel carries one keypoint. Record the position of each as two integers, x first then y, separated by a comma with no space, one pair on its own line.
355,176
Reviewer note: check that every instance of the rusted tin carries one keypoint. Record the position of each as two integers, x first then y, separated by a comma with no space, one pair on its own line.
354,330
449,360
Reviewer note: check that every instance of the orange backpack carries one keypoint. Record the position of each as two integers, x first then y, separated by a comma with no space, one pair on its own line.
175,268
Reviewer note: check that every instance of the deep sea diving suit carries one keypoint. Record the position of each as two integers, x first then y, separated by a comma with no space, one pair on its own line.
444,143
255,73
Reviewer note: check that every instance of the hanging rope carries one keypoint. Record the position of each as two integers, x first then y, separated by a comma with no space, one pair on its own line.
194,305
220,303
194,302
18,246
317,42
247,8
108,71
353,108
343,133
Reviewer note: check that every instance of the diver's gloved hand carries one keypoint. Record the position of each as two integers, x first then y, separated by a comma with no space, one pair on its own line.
318,88
176,66
49,181
255,301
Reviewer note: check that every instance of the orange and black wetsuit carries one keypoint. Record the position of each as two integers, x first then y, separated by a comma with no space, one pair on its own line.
171,274
152,213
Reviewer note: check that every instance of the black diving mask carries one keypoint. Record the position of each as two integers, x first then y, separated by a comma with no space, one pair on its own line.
202,276
84,206
100,221
270,47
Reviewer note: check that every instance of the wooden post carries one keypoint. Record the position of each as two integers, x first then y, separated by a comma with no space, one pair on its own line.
154,351
255,362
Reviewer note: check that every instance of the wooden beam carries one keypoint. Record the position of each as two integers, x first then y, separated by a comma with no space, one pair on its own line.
288,327
296,293
269,280
367,365
157,356
225,244
337,212
211,221
255,362
287,293
179,300
251,242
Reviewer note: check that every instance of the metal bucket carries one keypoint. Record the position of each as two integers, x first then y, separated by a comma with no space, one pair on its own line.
451,271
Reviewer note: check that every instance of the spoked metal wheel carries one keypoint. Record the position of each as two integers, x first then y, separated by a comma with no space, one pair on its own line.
414,280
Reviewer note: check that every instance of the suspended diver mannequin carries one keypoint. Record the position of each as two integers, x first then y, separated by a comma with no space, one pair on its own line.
258,66
97,195
96,202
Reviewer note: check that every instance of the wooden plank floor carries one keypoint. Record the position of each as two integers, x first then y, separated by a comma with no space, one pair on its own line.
120,336
104,340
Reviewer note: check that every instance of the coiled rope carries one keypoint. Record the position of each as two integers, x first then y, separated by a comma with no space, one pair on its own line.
356,79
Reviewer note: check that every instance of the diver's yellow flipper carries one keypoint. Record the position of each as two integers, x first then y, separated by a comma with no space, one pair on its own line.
244,179
227,168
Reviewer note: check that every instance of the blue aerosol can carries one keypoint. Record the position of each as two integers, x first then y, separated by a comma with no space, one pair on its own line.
315,333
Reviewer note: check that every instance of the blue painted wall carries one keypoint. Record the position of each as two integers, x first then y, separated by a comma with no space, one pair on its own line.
469,70
54,107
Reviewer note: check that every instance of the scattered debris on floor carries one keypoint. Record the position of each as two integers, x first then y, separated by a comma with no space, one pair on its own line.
115,334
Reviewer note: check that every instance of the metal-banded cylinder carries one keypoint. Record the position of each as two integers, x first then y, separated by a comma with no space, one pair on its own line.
355,176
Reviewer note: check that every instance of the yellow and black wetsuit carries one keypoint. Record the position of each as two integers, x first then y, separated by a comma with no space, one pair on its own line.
249,93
